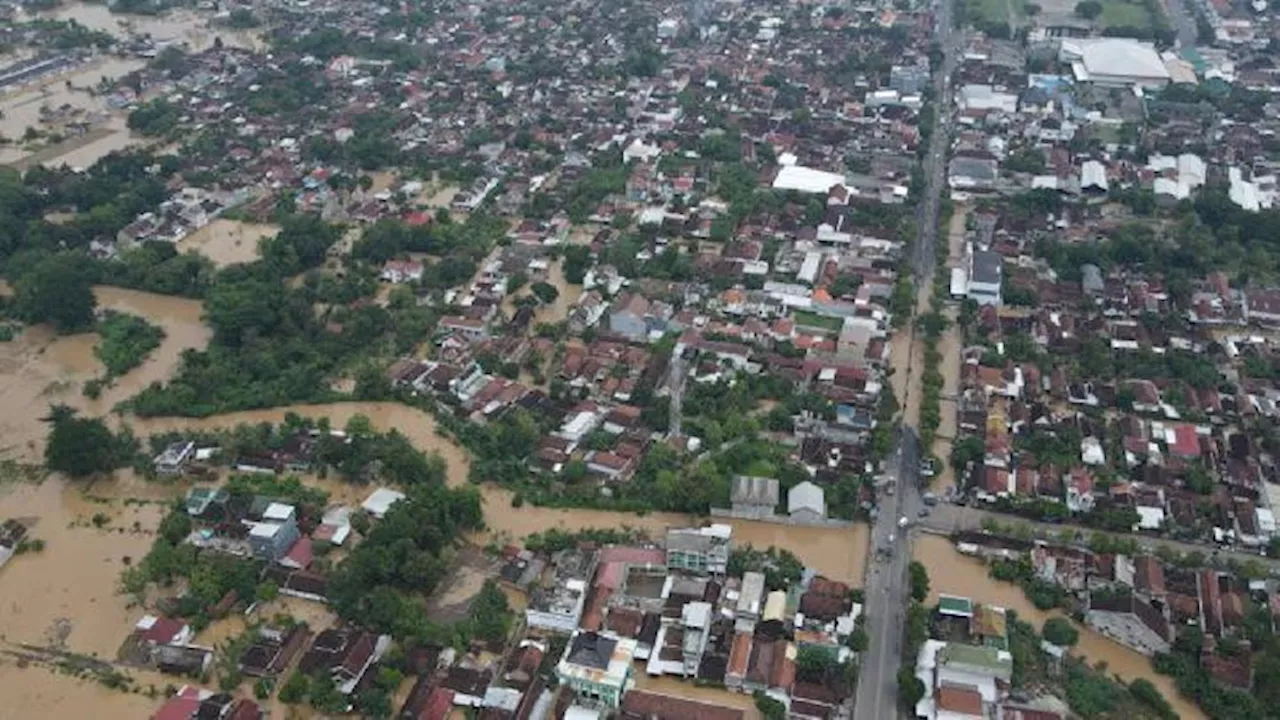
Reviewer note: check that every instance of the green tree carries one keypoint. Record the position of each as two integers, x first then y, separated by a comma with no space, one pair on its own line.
1060,631
545,292
56,291
919,581
295,689
79,446
910,688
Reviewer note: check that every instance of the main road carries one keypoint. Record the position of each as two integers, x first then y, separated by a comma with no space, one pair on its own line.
887,586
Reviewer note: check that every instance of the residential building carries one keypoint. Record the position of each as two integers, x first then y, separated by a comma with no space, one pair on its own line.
597,667
986,276
806,503
699,550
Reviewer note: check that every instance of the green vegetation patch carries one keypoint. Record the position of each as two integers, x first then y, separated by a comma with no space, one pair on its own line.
126,342
805,318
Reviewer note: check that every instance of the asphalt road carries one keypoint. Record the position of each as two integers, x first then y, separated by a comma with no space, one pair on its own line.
887,586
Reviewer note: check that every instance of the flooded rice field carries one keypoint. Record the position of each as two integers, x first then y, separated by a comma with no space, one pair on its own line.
228,242
955,574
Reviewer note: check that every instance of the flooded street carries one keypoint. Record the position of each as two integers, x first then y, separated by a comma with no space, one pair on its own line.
955,574
61,104
950,346
228,242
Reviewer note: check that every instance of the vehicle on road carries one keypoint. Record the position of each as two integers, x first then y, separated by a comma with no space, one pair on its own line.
902,521
924,512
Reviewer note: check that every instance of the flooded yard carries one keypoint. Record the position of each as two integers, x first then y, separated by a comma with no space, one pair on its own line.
955,574
228,242
558,311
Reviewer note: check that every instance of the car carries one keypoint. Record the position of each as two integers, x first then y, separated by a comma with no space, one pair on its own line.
902,521
924,512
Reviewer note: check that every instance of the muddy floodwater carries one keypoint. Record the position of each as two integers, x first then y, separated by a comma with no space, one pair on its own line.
228,242
65,596
174,27
37,692
39,368
952,573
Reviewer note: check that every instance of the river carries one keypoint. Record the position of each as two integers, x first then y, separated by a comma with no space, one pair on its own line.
953,573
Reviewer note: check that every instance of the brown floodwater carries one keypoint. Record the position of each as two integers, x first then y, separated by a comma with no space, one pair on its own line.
177,26
227,242
558,311
66,594
953,573
39,692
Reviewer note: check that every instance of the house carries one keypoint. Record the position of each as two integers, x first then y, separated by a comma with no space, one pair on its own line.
699,550
750,596
193,703
174,459
272,650
272,537
152,631
628,316
753,497
807,504
967,680
597,668
558,606
380,501
189,660
401,271
986,275
1129,620
345,654
645,705
470,329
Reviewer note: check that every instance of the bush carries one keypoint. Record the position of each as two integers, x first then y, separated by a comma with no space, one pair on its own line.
1060,631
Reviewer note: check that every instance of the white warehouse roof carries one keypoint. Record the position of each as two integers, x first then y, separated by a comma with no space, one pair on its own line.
797,177
1110,58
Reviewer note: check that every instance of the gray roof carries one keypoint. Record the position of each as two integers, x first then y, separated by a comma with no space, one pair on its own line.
976,168
806,496
754,490
988,267
591,650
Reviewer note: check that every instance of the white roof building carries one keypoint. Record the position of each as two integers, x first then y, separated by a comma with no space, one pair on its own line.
986,97
803,179
1114,62
1093,174
380,501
